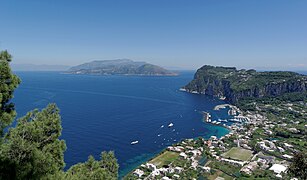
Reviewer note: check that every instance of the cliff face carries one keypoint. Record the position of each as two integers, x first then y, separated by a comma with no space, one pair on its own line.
236,84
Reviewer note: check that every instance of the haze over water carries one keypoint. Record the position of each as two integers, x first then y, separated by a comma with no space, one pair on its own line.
101,113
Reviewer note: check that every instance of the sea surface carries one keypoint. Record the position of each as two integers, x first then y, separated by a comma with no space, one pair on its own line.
102,113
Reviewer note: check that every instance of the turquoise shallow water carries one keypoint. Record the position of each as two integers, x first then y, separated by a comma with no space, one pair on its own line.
109,112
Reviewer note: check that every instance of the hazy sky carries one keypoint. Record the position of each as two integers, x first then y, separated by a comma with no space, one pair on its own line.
172,33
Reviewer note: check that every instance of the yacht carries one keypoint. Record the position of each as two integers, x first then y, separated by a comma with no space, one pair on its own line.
134,142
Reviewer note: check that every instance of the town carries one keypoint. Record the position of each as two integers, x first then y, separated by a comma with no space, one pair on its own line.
262,145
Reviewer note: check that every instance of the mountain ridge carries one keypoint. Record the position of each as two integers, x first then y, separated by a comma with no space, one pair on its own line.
120,67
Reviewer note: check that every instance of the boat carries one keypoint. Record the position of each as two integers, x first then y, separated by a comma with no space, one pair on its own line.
222,120
134,142
162,126
170,125
206,116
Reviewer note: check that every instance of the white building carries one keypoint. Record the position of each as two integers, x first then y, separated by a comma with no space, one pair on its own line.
178,170
278,168
138,173
182,154
151,166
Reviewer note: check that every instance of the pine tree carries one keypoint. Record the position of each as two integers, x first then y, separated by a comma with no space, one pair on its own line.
8,83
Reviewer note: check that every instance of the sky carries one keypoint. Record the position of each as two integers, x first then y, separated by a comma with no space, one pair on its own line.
171,33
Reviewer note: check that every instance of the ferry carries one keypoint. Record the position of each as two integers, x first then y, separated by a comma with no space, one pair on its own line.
134,142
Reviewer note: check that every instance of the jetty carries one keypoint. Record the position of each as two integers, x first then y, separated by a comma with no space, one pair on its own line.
206,116
233,110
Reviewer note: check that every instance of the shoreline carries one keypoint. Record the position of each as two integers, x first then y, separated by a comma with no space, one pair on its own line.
227,128
122,175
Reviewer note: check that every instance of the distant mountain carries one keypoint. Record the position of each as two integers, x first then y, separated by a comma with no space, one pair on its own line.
120,67
33,67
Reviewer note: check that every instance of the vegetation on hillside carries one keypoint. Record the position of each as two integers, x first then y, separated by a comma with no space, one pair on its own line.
239,84
120,67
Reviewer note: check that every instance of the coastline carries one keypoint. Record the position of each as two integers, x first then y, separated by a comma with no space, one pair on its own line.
156,154
124,173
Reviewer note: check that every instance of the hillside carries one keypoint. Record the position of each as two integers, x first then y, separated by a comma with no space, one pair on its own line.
120,67
236,84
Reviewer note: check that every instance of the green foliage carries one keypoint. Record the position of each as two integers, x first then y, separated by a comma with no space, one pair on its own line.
32,147
8,83
106,168
298,167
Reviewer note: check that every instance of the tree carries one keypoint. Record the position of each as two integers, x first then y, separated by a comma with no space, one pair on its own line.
32,147
106,168
298,167
8,83
109,162
4,55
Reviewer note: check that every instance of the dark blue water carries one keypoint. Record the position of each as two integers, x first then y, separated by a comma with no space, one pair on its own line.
101,113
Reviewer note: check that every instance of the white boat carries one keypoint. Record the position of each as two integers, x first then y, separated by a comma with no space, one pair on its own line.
162,126
134,142
170,125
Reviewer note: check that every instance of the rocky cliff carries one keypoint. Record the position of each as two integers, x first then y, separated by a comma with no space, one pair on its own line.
233,84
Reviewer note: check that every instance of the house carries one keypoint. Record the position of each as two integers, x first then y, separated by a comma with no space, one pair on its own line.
194,164
155,173
163,170
249,168
176,148
183,155
165,178
288,145
280,149
206,169
213,138
293,130
278,168
233,162
178,170
138,173
268,159
195,152
287,156
151,166
176,176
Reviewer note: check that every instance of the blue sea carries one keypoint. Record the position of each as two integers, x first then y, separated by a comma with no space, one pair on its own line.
102,113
